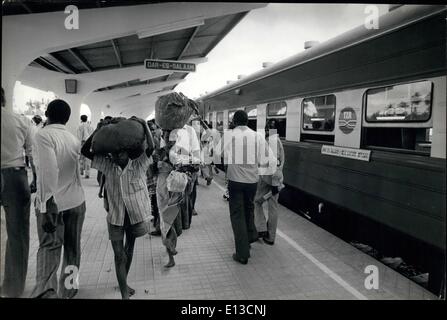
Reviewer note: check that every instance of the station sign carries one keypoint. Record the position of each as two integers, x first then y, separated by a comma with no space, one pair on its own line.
356,154
169,65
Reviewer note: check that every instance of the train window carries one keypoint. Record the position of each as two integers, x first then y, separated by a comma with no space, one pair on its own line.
276,109
276,117
230,115
252,113
219,121
319,113
210,117
416,140
410,102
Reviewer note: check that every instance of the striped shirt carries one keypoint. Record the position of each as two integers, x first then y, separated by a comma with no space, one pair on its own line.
126,189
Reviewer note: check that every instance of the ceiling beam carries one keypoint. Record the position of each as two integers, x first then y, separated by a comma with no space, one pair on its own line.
75,53
42,63
63,62
46,63
196,29
117,53
25,6
188,43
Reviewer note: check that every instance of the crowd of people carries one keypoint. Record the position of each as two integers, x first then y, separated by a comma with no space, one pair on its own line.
148,191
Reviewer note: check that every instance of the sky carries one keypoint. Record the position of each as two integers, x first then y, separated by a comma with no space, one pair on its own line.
269,34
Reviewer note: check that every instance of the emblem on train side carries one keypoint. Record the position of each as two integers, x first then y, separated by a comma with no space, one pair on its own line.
347,120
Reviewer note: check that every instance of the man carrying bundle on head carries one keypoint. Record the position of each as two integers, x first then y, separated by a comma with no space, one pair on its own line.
118,152
179,159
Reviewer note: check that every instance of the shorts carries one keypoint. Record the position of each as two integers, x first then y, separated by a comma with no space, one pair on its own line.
137,230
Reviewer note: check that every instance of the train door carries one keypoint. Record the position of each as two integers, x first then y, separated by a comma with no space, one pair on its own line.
252,113
276,113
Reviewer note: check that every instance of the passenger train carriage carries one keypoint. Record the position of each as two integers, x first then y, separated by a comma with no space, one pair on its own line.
363,122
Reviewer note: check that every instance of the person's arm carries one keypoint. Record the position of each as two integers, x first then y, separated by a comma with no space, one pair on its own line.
48,174
29,141
85,150
149,139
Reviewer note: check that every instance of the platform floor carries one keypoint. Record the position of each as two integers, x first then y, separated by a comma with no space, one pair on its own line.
306,261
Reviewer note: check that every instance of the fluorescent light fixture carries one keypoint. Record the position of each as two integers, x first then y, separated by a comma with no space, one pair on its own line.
169,27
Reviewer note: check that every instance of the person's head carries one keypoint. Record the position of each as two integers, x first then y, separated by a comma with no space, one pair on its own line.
37,119
270,125
3,98
151,124
84,118
240,118
107,118
58,111
170,137
120,158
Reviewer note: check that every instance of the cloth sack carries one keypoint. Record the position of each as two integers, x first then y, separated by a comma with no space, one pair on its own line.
123,134
172,111
176,181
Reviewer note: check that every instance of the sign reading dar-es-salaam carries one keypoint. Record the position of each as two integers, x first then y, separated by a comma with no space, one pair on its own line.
169,65
357,154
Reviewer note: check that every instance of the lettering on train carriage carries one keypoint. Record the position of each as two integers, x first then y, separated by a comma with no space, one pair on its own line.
357,154
347,120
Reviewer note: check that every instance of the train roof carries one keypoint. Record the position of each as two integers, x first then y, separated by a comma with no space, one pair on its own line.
389,22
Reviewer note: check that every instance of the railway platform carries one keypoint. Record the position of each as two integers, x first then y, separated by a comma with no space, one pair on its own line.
305,263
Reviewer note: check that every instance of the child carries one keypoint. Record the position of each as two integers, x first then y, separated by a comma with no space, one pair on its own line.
127,199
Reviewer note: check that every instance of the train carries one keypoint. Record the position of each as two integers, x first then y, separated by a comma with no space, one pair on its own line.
362,118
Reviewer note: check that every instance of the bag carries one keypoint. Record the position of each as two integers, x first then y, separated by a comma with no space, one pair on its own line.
172,111
176,181
121,134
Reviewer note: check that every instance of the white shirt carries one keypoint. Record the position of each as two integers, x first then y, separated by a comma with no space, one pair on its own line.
186,149
17,135
56,156
247,154
84,131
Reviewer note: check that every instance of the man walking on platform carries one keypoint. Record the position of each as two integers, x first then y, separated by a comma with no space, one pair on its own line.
60,205
268,189
17,135
84,131
247,155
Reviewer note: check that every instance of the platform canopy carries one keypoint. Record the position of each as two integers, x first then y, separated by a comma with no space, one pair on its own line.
108,51
131,50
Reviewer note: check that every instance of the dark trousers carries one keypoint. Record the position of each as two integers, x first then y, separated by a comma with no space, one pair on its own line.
68,236
16,200
187,205
242,216
155,213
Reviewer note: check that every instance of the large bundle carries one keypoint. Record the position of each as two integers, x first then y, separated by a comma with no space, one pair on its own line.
122,134
172,111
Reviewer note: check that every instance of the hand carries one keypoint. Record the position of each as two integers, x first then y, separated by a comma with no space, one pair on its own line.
275,190
33,187
50,217
138,120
